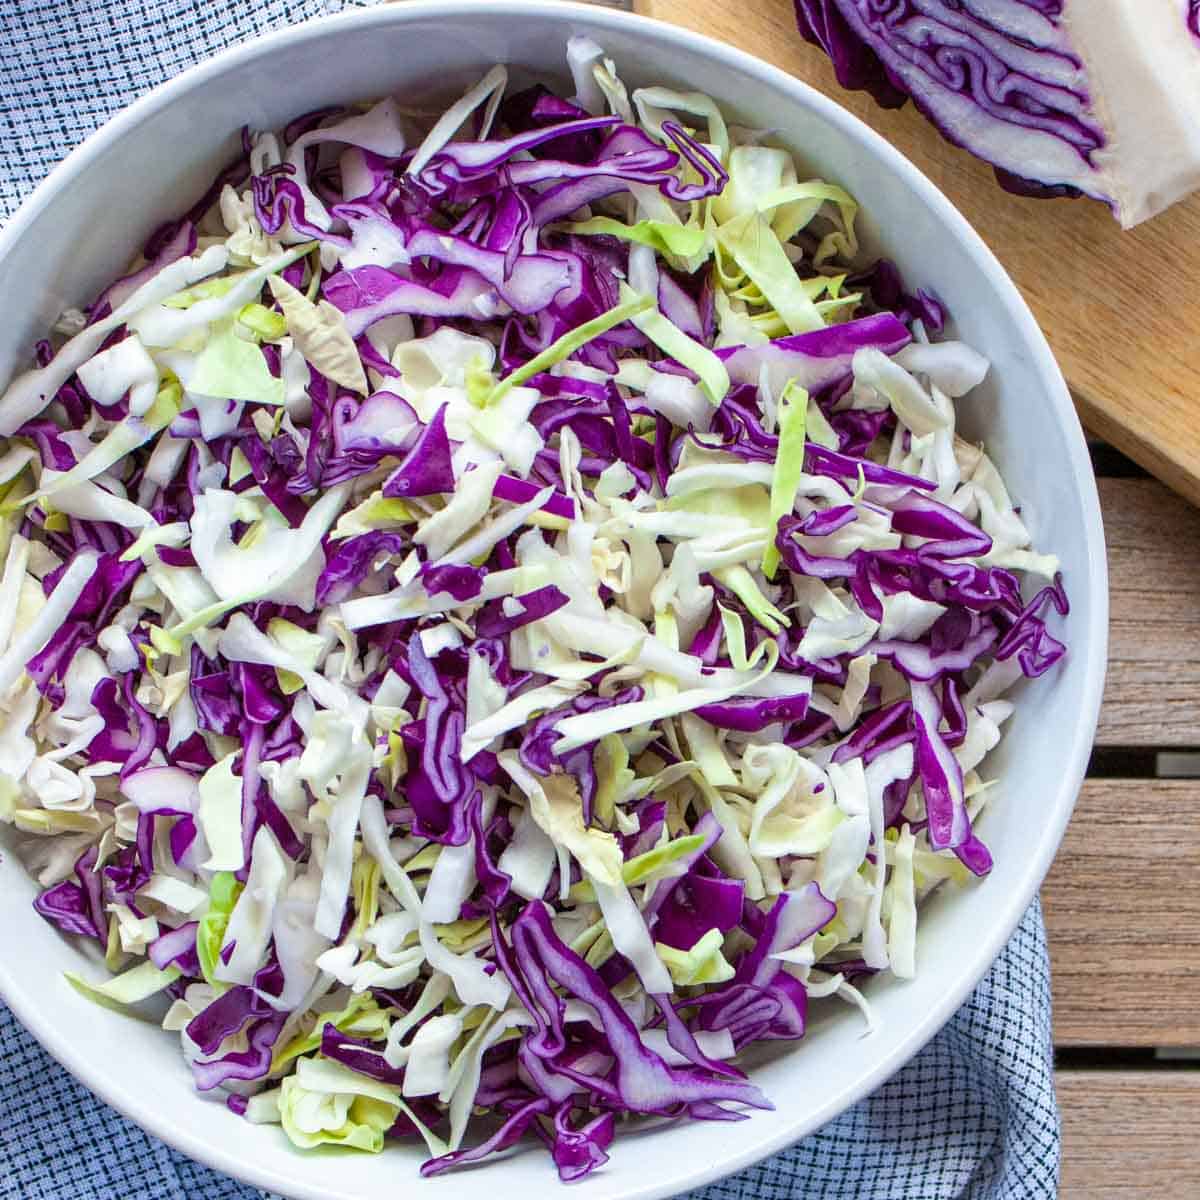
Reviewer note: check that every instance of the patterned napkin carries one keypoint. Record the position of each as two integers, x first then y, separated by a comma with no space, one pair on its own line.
974,1114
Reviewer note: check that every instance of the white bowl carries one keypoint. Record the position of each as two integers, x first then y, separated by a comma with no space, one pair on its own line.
84,222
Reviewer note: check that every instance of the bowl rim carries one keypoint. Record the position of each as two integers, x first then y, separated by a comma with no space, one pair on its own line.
1076,753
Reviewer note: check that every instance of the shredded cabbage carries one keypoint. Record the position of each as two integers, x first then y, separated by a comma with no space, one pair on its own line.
527,717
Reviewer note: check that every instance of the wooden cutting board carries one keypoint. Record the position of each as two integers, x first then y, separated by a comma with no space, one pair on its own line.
1121,308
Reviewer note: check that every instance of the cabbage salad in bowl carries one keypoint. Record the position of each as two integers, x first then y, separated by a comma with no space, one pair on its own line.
496,618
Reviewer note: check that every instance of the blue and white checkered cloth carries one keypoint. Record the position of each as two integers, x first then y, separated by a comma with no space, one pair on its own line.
973,1116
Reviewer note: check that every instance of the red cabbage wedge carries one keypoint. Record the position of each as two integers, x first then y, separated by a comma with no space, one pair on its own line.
1096,98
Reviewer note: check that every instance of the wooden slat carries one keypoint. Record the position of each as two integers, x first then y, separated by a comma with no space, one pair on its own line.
1129,1134
1153,692
1123,916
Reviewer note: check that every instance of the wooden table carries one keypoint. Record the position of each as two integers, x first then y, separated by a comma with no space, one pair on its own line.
1122,902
